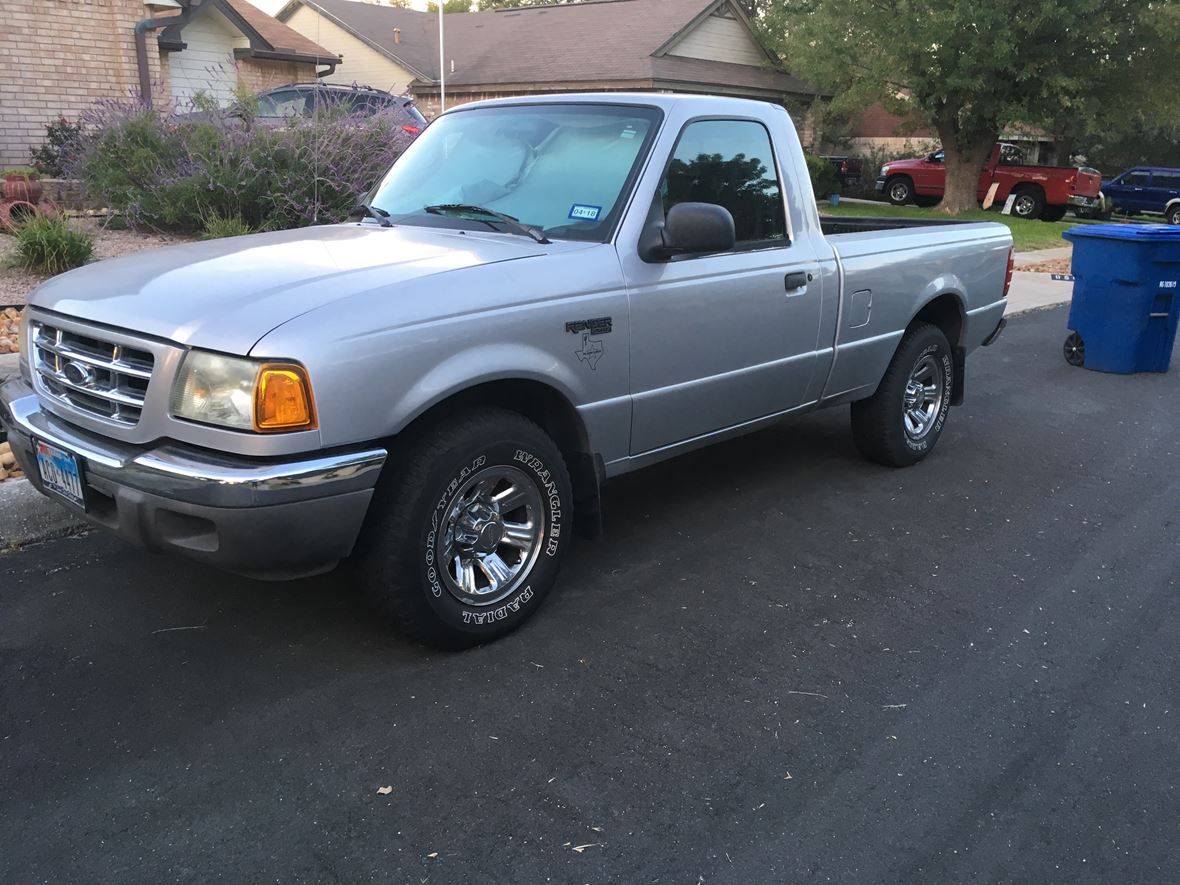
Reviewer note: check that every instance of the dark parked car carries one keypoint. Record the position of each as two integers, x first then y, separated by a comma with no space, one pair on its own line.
848,168
1146,189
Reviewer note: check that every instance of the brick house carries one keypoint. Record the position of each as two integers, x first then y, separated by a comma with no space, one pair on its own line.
595,45
66,54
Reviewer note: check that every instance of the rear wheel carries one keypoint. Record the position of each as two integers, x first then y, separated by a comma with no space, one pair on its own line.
900,424
1074,350
466,536
1173,215
1029,203
899,190
1053,213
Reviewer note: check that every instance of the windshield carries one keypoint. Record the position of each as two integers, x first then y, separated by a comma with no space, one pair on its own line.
561,169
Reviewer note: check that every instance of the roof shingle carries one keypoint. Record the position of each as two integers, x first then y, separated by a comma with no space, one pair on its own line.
595,41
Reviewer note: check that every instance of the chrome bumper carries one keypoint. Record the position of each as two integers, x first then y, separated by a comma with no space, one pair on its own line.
265,518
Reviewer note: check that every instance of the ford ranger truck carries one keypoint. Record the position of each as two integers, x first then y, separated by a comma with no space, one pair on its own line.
1044,192
541,294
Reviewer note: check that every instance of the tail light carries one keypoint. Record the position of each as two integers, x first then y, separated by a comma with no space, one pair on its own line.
412,130
1008,276
844,166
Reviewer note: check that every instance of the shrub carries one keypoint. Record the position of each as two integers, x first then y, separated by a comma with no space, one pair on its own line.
825,179
61,143
21,173
215,227
49,245
173,172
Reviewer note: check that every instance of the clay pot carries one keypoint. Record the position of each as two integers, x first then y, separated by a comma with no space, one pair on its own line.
17,189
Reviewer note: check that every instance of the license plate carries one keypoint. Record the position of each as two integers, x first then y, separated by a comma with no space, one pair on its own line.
61,473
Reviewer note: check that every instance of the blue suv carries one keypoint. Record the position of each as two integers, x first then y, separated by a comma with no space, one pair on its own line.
1146,189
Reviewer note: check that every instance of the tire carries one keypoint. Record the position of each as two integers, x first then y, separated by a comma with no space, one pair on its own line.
1173,215
926,202
1053,213
883,425
442,497
1074,350
1029,203
899,190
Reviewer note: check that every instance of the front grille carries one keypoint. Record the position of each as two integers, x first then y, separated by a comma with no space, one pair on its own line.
90,374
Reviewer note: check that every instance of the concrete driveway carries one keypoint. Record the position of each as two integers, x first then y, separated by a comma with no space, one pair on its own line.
781,663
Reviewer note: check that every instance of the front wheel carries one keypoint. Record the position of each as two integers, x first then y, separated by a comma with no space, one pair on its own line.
466,535
900,424
899,190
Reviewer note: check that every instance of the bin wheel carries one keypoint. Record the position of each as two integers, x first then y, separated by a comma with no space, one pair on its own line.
1075,350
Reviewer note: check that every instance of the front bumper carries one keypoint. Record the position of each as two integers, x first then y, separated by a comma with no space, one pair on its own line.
879,185
265,518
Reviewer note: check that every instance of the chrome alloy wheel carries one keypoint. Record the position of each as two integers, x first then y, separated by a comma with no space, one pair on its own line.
922,400
492,535
1024,205
900,191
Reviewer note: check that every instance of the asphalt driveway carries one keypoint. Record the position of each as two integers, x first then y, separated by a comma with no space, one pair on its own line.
780,663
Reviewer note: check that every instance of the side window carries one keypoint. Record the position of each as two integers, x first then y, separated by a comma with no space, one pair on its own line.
288,103
1169,181
1136,179
730,163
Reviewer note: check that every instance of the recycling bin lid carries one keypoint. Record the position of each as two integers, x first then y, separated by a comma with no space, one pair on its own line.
1139,233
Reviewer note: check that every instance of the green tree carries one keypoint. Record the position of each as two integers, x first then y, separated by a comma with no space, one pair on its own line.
970,69
450,6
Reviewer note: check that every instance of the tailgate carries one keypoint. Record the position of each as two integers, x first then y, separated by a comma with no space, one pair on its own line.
1087,184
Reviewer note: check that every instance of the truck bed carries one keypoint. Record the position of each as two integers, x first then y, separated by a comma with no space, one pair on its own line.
851,224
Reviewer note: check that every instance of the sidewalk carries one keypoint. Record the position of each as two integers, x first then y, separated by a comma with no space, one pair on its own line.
1033,291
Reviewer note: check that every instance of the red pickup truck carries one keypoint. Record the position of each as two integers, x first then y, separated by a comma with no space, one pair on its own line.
1043,192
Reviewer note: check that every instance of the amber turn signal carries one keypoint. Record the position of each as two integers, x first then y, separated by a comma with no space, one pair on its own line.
282,399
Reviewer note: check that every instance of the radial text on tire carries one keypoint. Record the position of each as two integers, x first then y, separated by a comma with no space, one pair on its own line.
900,424
466,534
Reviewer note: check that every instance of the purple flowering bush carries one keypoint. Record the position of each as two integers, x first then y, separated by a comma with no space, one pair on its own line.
171,171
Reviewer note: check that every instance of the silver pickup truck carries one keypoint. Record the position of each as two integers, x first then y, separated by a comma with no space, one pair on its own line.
540,295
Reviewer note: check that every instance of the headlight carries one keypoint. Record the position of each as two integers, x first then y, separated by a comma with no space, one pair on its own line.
243,394
884,171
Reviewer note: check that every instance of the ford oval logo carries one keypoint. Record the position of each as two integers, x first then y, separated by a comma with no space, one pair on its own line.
79,374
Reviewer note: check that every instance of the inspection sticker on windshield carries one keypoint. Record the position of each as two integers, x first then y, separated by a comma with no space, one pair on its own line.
579,212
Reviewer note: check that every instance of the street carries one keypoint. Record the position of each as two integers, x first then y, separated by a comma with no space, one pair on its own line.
780,663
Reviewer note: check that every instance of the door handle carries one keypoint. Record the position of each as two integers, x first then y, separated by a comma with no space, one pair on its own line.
797,280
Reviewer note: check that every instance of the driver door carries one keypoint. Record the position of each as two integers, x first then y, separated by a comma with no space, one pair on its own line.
722,339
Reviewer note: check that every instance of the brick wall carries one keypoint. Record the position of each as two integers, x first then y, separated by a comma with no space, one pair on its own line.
59,57
259,75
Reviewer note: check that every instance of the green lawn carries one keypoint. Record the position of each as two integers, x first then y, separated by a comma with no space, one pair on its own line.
1027,235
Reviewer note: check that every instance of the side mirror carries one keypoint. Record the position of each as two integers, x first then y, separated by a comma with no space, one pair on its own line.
689,229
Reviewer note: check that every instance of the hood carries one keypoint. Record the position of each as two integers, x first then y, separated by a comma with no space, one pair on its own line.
227,294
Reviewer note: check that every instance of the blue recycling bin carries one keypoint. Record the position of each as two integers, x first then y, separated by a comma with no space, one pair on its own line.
1126,300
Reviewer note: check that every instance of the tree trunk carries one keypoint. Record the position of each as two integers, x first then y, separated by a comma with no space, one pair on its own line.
964,159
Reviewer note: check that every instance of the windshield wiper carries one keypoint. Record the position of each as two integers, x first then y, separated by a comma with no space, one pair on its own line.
508,221
373,212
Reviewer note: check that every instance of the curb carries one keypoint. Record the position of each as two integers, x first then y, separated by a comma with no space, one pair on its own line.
28,517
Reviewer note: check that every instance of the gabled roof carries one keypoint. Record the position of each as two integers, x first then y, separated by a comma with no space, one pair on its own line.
628,42
269,38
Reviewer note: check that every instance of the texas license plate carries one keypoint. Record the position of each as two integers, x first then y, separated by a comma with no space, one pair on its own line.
61,474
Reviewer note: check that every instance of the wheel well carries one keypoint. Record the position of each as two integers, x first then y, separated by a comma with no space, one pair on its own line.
1028,186
549,409
946,312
